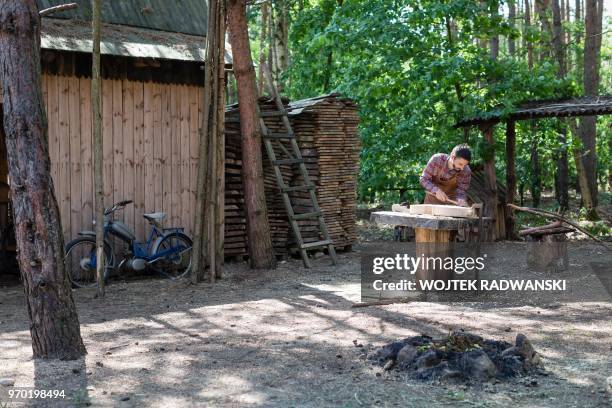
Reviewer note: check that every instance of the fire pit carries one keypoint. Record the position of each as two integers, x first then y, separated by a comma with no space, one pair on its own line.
459,356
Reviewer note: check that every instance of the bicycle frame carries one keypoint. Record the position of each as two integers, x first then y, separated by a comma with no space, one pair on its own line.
144,250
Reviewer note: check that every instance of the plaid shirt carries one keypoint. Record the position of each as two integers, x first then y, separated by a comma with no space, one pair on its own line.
438,166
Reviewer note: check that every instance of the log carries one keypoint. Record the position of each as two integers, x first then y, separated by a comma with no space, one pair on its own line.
546,231
548,214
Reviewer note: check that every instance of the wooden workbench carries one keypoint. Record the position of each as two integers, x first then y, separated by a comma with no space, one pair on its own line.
434,235
427,228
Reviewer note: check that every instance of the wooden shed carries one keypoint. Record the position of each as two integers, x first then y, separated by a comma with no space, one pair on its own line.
152,58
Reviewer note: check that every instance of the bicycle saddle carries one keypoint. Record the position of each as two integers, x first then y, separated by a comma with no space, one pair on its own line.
156,216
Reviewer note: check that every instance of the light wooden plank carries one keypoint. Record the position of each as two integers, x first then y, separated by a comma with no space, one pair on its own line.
186,214
148,136
45,92
421,220
64,155
118,165
75,156
175,202
107,140
194,94
139,180
128,151
157,148
166,153
87,194
443,210
53,120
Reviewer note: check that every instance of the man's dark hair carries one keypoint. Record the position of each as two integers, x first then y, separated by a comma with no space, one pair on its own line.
463,151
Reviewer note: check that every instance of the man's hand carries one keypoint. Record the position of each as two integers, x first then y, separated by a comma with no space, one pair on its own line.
441,196
462,202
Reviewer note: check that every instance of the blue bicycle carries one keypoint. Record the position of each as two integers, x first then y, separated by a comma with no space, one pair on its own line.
167,251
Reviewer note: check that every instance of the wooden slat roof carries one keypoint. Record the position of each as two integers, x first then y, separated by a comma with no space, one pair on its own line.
179,16
583,106
125,41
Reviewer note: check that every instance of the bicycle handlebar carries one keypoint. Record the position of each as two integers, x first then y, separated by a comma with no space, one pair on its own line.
116,206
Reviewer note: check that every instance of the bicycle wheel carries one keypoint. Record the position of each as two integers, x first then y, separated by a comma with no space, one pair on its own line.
173,255
80,262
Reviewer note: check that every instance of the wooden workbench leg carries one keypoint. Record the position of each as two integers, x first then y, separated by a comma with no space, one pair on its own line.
433,243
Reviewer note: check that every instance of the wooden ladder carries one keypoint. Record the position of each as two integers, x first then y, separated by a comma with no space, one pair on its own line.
294,157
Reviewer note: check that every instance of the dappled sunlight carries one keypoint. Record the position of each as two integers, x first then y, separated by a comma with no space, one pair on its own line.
275,341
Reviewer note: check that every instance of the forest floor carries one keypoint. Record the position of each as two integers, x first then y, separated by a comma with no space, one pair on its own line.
285,337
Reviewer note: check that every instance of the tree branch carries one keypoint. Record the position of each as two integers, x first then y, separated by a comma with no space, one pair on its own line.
55,9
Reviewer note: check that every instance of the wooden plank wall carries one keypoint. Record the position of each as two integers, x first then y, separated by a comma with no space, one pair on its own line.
150,137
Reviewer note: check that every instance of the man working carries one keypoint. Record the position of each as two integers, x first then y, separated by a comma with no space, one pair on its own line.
448,176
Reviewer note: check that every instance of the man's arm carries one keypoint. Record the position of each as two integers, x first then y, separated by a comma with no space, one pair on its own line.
428,173
463,183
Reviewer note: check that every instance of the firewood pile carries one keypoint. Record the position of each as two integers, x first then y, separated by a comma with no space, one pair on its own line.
326,131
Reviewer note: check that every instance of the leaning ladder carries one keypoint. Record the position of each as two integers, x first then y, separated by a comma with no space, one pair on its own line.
294,157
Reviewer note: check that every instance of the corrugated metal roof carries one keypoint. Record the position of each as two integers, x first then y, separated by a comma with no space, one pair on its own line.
583,106
180,16
75,35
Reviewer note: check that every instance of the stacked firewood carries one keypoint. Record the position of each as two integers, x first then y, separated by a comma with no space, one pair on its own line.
326,132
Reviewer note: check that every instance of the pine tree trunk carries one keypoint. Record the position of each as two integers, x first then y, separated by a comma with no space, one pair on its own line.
54,323
536,177
562,174
261,252
528,44
588,129
281,37
262,51
511,22
201,231
510,176
96,114
495,37
490,204
220,163
542,7
583,182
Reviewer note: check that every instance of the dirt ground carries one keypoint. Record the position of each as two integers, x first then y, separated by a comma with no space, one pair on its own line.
285,338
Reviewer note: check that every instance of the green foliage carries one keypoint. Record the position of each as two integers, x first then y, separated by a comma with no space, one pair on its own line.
394,58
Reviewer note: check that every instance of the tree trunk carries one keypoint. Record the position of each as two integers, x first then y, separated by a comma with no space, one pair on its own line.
557,38
528,44
96,114
562,174
536,177
490,205
261,252
54,323
510,176
588,124
545,28
583,183
219,219
578,39
262,42
495,37
281,37
201,231
511,22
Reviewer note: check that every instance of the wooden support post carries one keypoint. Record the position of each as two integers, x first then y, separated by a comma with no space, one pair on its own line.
490,204
433,243
510,177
